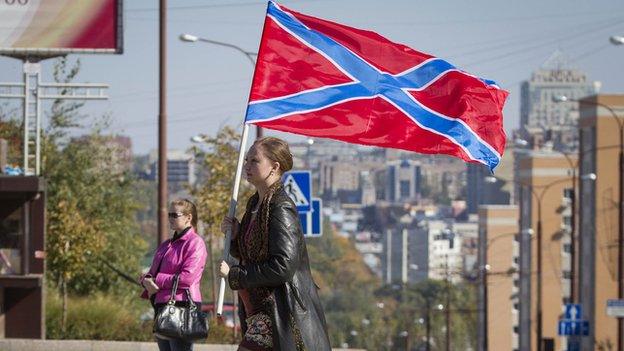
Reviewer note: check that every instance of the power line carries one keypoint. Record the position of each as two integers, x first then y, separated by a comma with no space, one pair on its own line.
490,19
213,6
582,32
530,38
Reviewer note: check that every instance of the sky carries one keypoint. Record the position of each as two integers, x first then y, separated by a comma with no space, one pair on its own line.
208,85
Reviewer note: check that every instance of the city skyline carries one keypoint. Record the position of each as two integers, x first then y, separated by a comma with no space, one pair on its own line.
209,85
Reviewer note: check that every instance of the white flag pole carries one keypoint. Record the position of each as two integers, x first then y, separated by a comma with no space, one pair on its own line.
232,212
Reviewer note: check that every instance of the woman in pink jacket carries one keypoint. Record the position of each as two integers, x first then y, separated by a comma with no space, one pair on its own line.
184,254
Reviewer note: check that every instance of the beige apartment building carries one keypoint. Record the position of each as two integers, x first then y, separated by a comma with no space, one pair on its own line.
599,220
498,265
546,179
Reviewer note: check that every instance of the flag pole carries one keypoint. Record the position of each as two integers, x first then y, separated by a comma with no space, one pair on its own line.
239,171
232,212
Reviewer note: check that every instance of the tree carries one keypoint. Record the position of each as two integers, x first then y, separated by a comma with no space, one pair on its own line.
90,214
73,237
12,131
84,173
217,157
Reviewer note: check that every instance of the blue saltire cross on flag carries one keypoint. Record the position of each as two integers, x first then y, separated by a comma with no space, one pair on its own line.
319,78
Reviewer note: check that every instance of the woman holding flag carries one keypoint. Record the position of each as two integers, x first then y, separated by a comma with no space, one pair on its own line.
280,307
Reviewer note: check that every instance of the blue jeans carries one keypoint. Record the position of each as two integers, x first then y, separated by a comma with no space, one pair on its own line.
174,345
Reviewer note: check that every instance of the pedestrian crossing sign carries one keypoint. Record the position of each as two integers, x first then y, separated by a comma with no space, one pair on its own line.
298,186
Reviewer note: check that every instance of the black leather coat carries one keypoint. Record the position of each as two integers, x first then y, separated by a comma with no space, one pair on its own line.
287,271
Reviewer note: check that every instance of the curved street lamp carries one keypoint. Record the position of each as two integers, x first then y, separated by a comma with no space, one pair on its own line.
251,56
617,39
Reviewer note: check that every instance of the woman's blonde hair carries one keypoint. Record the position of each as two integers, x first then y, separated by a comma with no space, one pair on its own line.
188,207
276,150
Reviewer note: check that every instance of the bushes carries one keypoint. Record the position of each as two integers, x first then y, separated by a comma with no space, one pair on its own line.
100,317
105,317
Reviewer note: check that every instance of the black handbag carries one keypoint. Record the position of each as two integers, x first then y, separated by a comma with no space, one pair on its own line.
180,322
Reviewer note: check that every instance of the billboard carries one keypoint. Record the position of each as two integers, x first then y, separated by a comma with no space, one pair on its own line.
48,27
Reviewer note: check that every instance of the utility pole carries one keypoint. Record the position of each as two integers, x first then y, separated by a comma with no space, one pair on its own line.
162,127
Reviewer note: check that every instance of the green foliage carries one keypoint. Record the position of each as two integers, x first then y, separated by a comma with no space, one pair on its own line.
106,317
219,333
11,130
88,200
64,116
98,317
90,212
218,158
337,265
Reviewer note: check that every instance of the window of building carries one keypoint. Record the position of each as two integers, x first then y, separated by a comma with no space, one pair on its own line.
567,274
568,193
10,241
404,188
567,220
567,248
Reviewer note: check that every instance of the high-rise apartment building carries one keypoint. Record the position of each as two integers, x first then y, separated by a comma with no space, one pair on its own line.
544,119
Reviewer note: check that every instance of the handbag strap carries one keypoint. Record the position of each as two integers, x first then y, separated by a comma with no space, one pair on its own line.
192,305
174,288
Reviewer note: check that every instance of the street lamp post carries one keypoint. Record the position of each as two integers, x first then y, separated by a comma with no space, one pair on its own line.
189,38
616,40
309,143
162,122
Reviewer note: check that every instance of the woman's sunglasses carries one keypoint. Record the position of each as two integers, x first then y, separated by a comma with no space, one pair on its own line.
174,215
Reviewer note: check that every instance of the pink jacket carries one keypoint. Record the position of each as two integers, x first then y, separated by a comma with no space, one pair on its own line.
187,256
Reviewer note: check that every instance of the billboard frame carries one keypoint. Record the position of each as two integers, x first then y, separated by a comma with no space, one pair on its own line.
22,53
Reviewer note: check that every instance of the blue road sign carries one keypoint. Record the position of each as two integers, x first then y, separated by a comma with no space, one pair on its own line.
573,311
298,185
573,327
312,222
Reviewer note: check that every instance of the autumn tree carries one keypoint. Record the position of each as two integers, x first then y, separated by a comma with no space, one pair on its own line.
89,207
217,158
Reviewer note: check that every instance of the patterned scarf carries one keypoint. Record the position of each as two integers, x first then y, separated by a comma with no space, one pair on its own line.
254,246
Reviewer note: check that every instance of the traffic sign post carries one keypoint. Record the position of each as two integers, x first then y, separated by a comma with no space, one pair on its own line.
574,344
298,186
312,222
573,326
